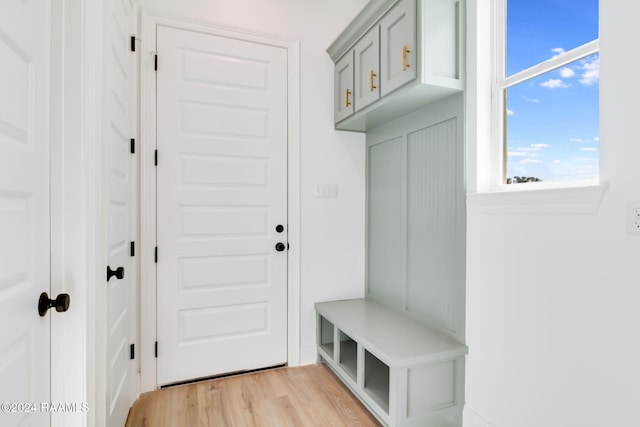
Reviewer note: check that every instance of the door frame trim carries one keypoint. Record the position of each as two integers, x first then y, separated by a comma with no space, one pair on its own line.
77,338
150,21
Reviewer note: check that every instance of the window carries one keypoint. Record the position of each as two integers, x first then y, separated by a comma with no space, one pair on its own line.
547,84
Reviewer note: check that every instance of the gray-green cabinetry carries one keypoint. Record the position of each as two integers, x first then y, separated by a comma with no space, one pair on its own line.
343,78
407,374
398,77
401,349
416,216
398,46
367,69
404,54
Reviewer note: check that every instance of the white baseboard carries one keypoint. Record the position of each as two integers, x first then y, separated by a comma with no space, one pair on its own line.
471,419
308,355
138,385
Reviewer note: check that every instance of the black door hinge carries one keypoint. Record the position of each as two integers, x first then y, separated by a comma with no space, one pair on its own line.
155,62
133,145
132,351
133,248
155,257
155,158
133,43
156,349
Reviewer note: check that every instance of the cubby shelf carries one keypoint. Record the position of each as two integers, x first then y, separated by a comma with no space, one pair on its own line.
406,373
348,355
376,380
326,337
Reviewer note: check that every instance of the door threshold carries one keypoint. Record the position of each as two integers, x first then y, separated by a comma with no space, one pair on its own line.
228,374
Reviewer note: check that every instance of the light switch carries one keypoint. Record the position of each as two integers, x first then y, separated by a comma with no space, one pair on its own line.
326,191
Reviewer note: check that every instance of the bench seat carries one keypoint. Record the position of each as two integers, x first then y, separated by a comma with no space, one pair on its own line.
408,374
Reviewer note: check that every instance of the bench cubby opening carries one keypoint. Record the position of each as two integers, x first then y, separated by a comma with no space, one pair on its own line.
326,336
348,355
376,380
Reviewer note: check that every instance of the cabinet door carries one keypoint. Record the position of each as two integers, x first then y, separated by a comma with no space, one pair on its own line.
344,87
398,46
367,67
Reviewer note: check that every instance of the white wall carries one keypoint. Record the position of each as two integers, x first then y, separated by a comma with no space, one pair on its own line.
553,318
332,230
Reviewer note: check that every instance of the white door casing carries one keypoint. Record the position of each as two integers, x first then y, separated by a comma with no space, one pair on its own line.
24,210
120,208
221,192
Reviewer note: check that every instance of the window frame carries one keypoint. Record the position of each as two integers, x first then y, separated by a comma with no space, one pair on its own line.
501,82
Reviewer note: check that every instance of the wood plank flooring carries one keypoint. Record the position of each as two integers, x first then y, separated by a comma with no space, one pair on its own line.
286,397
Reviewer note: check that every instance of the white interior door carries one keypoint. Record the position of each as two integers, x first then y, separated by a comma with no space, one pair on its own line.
222,192
24,211
121,209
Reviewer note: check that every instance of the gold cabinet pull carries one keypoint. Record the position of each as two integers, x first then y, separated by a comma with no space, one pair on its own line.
346,98
371,85
404,58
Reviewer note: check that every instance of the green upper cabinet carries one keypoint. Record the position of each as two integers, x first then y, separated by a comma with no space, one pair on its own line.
367,69
398,46
395,57
343,79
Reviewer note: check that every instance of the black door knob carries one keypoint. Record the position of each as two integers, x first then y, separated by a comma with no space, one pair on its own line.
279,228
280,246
118,272
61,303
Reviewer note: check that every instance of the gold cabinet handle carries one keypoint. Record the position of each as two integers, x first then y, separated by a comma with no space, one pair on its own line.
346,98
404,58
371,85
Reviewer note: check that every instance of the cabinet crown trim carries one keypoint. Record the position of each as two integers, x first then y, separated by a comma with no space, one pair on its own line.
364,21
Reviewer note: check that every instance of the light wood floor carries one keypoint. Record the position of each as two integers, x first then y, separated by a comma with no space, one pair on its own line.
296,397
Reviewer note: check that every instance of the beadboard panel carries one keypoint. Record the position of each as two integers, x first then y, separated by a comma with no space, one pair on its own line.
416,216
432,222
385,221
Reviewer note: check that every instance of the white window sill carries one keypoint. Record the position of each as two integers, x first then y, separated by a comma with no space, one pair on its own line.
580,200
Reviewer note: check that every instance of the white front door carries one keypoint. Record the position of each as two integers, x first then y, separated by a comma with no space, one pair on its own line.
24,212
121,208
221,205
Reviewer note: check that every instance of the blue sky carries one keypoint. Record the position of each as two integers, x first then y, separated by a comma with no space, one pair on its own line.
552,120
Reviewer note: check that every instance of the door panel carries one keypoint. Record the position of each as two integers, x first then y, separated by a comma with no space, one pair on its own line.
397,33
222,190
24,209
344,87
121,209
367,68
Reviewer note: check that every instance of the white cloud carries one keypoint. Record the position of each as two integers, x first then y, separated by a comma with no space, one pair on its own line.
567,72
530,161
510,112
555,84
540,145
584,141
590,72
530,99
589,149
578,140
556,162
558,51
518,154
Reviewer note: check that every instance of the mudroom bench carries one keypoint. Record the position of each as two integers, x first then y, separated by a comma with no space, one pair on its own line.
406,373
